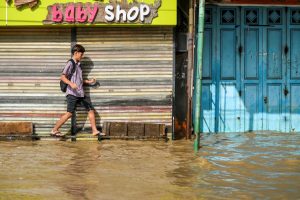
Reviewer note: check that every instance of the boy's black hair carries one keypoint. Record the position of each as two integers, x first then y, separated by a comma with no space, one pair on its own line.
78,48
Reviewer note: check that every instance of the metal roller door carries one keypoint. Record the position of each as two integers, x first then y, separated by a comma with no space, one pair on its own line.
31,60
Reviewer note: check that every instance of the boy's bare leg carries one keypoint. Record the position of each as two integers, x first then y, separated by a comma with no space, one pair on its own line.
61,121
93,122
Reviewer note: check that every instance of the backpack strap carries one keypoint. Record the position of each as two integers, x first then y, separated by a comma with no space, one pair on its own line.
73,68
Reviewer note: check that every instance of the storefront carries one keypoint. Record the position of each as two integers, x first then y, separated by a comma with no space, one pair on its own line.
129,50
251,67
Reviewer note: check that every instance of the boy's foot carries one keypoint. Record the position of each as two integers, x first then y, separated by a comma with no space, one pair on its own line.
56,133
98,133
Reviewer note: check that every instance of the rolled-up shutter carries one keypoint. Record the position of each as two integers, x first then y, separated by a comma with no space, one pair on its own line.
31,60
134,67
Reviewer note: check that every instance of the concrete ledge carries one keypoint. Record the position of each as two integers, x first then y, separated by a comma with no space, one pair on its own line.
123,129
16,128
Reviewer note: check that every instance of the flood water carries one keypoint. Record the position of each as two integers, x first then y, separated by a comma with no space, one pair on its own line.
228,166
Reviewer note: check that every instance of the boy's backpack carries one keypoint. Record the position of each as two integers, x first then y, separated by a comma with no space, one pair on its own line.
63,85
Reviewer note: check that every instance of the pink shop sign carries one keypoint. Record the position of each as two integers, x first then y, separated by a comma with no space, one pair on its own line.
93,13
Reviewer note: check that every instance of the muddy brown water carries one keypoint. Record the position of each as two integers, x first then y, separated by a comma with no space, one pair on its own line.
228,166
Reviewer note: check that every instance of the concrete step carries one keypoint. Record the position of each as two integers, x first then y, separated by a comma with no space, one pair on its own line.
113,130
16,128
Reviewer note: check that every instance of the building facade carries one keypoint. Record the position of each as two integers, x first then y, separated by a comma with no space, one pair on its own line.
129,50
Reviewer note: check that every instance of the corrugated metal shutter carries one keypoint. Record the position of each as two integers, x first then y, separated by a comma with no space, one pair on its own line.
133,65
31,60
135,69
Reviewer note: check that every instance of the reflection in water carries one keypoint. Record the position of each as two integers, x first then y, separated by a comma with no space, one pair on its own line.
228,166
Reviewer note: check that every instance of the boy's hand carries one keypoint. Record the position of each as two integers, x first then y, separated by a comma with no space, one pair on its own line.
92,81
73,86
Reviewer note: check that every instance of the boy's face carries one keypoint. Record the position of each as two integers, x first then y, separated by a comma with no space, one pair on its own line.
78,55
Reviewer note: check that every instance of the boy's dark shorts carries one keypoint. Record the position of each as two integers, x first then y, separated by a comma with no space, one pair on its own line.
72,102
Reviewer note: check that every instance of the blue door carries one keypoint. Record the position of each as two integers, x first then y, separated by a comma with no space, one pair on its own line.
274,70
292,51
221,96
228,70
251,69
251,50
209,101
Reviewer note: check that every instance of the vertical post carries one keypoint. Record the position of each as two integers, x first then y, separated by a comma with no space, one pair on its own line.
198,74
73,37
190,69
173,86
73,119
73,124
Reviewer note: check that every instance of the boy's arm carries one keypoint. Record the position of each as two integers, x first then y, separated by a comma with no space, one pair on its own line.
89,81
67,81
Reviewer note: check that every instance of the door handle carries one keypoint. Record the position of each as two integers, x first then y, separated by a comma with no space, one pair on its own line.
286,50
240,49
265,100
285,91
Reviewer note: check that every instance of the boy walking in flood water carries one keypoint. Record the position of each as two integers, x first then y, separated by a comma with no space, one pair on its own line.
75,93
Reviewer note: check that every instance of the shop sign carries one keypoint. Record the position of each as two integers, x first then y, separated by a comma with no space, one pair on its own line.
94,13
279,2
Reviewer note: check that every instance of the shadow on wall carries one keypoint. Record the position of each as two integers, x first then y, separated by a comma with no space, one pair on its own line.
87,66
